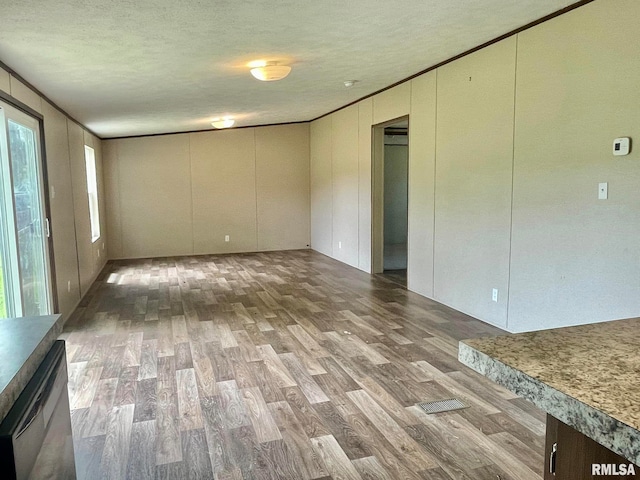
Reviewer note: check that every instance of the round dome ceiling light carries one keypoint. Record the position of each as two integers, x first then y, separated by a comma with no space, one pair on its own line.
225,122
270,71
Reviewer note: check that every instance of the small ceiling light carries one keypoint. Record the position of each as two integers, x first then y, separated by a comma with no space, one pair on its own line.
270,71
225,122
350,83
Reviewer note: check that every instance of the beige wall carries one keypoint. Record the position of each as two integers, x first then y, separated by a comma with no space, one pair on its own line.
154,205
321,193
504,195
422,161
576,258
282,186
181,194
77,259
365,120
474,156
344,168
61,202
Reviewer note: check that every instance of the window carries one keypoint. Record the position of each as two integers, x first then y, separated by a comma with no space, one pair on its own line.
92,192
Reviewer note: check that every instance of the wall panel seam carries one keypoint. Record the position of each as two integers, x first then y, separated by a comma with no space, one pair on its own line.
120,231
358,159
309,184
435,164
331,176
255,185
193,234
73,199
513,160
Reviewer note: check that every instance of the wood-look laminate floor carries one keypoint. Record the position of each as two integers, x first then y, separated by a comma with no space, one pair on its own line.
282,365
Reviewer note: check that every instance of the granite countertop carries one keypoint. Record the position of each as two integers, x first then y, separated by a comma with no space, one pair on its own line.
586,376
24,342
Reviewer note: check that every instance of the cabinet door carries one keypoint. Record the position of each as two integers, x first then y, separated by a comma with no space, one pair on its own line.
549,445
575,453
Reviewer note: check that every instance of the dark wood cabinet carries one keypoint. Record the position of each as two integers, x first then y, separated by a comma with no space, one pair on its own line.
575,453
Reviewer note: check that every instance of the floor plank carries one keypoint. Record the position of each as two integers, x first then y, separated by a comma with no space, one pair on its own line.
115,454
281,365
260,416
188,400
142,458
334,458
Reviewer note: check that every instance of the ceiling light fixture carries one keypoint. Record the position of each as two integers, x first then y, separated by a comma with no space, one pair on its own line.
270,71
225,122
350,83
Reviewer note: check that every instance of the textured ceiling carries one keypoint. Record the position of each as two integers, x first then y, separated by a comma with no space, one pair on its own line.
133,67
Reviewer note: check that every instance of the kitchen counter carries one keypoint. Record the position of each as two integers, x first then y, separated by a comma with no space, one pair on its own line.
586,376
24,342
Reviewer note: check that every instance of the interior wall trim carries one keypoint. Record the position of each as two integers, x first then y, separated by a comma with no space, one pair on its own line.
206,130
422,72
12,72
20,106
464,54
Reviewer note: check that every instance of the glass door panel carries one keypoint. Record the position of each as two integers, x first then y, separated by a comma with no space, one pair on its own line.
3,302
29,218
24,274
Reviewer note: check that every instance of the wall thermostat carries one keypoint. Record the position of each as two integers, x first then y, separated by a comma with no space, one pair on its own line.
621,146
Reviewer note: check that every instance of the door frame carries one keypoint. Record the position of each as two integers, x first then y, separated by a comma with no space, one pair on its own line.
377,191
46,203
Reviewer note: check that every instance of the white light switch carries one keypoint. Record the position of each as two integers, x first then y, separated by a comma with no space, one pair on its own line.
226,238
603,191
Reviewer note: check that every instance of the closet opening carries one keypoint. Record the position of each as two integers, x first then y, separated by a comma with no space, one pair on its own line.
390,199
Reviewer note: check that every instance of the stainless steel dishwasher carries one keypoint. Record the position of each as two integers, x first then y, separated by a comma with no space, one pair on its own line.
35,436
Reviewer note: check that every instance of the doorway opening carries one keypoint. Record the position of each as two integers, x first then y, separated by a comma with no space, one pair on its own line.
390,199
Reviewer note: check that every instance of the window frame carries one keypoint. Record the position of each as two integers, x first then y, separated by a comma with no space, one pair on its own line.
92,192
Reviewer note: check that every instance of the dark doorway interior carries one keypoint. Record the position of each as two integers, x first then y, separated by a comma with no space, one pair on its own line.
396,166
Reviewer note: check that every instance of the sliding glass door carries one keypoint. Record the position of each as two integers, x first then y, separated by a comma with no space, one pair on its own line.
25,287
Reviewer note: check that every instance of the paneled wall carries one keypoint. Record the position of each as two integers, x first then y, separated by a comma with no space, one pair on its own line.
78,260
506,150
321,186
183,194
282,187
344,185
474,157
573,256
422,151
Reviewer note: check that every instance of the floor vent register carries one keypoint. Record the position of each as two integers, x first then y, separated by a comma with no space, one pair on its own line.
439,406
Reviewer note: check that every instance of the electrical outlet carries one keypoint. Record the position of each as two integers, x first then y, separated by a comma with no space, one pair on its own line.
226,238
98,253
69,286
494,295
339,244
